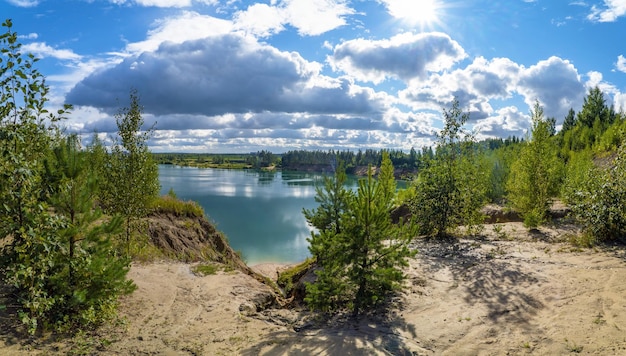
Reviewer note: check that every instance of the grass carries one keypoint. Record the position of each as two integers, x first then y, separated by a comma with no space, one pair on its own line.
170,204
498,229
582,240
599,320
206,269
286,278
573,347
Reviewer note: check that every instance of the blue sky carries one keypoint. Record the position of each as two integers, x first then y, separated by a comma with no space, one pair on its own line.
241,76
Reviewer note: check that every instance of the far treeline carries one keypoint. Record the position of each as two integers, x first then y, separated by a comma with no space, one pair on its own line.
314,160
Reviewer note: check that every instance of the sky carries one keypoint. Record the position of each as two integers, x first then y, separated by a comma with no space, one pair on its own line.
235,76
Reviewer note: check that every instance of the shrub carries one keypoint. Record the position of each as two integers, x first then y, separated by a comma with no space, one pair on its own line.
599,203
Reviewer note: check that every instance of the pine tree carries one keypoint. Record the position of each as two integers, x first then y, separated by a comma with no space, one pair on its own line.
570,121
333,200
365,259
386,177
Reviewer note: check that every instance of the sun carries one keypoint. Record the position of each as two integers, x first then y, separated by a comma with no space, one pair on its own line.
421,12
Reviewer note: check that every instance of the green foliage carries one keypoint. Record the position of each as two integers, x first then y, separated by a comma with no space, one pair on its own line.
500,160
595,110
206,269
132,181
453,187
577,175
169,204
287,277
333,199
534,177
386,177
60,264
588,129
363,260
598,200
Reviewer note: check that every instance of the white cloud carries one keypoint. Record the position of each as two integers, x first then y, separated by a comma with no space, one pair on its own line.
30,36
507,121
309,17
189,25
621,63
260,20
611,10
619,101
474,86
315,17
24,3
405,56
555,82
41,49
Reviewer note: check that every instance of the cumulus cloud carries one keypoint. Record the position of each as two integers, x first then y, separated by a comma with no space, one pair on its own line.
260,20
405,56
474,86
189,25
42,50
610,12
314,17
507,121
555,82
218,75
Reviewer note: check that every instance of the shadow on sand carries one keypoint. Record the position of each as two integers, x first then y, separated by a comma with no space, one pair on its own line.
373,334
490,277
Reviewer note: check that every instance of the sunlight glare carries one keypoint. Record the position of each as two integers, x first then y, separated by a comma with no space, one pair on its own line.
422,12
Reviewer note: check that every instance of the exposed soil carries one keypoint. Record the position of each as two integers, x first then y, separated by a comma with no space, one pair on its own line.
511,292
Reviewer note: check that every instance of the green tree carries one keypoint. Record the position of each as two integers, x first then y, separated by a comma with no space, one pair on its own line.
595,109
386,177
132,181
61,275
535,176
364,260
570,121
89,287
28,228
333,200
597,196
453,187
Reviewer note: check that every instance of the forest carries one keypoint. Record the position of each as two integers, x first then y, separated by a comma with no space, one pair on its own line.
71,223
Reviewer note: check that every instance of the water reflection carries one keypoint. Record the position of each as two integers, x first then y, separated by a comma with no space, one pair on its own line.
260,212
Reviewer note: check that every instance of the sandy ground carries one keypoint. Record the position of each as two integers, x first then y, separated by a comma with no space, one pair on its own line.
489,296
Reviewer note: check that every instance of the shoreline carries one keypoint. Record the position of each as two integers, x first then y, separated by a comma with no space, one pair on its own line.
271,269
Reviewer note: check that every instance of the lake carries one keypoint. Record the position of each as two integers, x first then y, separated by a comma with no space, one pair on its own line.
259,212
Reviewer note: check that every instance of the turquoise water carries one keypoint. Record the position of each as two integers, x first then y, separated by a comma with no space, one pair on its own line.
260,212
